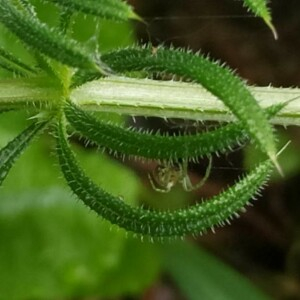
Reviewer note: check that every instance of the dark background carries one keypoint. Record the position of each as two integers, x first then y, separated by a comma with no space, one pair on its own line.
264,242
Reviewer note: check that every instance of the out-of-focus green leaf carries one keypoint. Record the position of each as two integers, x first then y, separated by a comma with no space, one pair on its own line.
138,266
8,41
202,276
108,35
52,247
12,151
112,10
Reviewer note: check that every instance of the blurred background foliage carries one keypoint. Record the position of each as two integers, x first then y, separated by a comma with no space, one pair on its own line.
52,247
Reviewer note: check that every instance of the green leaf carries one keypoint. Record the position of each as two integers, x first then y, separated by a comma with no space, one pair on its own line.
260,8
107,9
202,276
217,79
143,144
54,248
193,220
15,62
11,68
38,36
10,153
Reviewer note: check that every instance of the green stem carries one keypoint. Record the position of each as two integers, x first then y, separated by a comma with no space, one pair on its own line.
22,92
175,99
145,97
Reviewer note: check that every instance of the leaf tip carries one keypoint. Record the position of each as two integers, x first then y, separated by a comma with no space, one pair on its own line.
273,29
275,160
136,17
277,165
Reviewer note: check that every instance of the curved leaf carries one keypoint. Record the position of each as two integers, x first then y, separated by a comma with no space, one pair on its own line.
11,68
10,153
107,9
219,80
143,144
260,8
193,220
15,62
47,41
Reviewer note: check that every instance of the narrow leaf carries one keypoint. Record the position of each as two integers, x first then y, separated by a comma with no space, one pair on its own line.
193,220
260,8
219,80
43,39
10,153
15,61
117,10
10,68
143,144
200,275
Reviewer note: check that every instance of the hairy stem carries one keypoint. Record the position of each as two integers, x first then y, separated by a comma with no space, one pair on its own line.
146,97
176,99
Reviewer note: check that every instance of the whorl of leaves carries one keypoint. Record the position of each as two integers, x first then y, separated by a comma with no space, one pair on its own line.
193,220
57,55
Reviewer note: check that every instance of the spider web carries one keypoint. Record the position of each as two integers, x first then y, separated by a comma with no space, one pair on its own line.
177,22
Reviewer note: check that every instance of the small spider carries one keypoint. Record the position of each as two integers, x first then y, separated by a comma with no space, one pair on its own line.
167,175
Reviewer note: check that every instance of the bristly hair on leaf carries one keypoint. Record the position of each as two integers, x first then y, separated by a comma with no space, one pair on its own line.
260,8
217,79
193,220
10,153
142,144
116,10
62,64
41,38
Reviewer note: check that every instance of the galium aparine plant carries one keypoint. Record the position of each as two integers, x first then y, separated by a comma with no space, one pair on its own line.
62,64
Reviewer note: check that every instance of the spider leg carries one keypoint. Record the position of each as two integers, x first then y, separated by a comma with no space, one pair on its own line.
156,188
186,182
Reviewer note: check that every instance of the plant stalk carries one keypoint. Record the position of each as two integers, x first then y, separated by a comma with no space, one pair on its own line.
145,97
